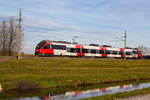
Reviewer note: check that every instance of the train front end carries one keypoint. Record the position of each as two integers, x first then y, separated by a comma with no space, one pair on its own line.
39,48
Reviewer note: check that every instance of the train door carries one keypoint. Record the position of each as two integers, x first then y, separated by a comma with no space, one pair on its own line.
135,54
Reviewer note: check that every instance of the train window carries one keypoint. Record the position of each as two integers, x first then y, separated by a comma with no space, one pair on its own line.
78,50
59,47
101,51
72,50
128,53
84,50
114,52
136,52
108,52
46,47
93,51
121,53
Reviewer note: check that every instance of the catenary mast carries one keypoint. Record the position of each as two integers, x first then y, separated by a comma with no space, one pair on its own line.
19,35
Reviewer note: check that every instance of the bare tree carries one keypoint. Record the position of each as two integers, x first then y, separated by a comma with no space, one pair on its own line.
8,38
4,38
12,46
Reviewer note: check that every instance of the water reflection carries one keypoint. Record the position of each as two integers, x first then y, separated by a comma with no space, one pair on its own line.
75,95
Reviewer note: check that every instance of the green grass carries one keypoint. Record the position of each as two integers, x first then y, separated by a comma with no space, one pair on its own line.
53,72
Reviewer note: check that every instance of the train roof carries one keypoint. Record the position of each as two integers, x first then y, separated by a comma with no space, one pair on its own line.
94,45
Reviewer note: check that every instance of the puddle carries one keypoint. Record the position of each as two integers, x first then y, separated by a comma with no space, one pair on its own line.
75,95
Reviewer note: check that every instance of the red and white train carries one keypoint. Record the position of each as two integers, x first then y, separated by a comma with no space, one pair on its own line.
49,48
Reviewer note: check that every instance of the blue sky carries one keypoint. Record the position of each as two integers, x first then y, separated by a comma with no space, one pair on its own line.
94,21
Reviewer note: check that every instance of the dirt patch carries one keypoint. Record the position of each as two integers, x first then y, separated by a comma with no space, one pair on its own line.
22,85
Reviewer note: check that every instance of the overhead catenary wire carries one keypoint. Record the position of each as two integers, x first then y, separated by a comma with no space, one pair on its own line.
58,34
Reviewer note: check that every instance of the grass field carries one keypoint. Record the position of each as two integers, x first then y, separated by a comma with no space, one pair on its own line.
53,72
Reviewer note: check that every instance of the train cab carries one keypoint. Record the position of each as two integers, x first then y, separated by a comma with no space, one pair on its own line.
39,46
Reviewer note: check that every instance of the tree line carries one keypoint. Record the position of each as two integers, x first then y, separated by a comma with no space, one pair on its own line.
8,37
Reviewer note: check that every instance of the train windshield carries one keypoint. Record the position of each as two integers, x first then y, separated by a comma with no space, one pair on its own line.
46,47
40,45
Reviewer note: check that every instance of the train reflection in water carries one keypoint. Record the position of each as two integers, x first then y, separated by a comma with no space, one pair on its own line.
96,92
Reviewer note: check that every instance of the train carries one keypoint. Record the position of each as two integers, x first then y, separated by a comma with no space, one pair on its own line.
62,48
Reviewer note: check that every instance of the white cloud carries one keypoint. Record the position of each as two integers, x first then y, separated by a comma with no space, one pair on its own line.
134,1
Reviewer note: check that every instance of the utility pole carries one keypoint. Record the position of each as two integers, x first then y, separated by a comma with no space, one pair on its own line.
125,39
125,42
19,35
